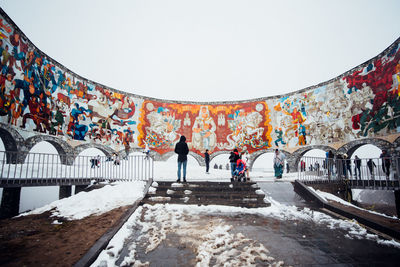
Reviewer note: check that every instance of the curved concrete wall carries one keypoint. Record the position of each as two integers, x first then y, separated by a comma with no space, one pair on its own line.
41,97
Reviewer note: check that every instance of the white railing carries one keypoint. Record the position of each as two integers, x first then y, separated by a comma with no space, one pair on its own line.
50,166
371,172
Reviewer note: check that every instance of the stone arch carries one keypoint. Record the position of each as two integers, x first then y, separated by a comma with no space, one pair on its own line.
13,142
11,138
296,155
352,146
63,148
105,149
396,147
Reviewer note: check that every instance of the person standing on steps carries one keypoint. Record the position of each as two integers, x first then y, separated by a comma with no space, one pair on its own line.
207,160
234,156
182,149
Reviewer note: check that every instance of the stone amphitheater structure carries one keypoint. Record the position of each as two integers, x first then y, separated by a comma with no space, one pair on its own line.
41,100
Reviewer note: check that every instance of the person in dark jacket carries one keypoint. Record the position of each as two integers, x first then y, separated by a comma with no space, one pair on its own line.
182,149
357,168
207,160
371,165
385,156
233,159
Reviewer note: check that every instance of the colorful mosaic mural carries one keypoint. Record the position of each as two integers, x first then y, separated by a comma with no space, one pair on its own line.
40,96
214,127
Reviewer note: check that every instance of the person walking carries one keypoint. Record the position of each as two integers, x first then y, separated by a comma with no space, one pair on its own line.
234,156
357,168
182,149
371,165
385,156
246,158
146,151
207,160
279,161
329,162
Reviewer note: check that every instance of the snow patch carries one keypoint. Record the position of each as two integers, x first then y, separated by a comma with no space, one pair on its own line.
170,192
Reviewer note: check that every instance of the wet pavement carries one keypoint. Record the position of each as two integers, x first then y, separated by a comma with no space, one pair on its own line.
178,238
283,193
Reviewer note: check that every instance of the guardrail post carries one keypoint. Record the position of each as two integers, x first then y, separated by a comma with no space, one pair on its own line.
65,191
10,202
397,201
80,188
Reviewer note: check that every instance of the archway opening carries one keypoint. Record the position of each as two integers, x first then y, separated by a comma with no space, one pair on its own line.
312,160
43,159
220,162
367,151
91,152
264,163
2,148
369,164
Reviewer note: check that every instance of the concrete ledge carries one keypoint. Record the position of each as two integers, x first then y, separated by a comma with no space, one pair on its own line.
305,192
92,254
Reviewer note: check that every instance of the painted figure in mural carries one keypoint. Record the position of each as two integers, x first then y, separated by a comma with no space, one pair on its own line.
279,138
246,130
182,149
58,122
163,127
302,135
279,161
203,136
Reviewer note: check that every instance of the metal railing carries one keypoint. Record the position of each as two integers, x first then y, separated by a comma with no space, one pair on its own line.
42,166
376,173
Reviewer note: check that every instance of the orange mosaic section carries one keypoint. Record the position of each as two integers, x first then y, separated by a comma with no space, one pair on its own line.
214,127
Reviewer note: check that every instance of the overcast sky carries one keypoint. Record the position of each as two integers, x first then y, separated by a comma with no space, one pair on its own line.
208,50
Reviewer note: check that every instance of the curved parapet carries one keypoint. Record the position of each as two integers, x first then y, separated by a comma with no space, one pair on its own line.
39,95
352,146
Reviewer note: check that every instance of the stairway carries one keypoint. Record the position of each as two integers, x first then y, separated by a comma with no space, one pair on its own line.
246,195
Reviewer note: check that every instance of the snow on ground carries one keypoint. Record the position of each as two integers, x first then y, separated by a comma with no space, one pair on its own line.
327,196
167,171
95,202
215,242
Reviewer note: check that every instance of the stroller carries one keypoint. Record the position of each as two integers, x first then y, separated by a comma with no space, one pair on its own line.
240,172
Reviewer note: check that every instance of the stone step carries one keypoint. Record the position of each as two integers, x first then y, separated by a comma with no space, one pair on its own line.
209,195
249,203
208,186
239,194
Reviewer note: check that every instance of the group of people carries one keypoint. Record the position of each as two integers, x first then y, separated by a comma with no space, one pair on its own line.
238,162
239,169
343,165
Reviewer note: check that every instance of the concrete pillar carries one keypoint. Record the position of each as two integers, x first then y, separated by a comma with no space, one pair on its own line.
10,202
397,201
80,188
65,191
293,162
